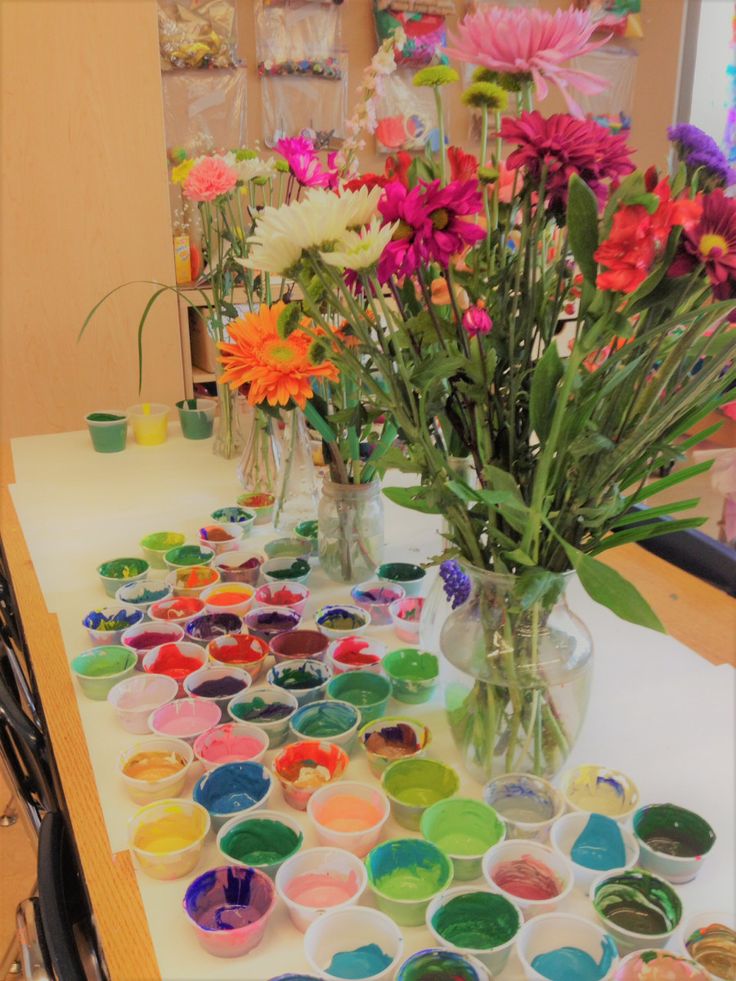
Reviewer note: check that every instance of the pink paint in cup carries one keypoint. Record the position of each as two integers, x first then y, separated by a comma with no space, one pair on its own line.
135,698
320,879
233,742
184,719
229,908
292,595
356,654
406,614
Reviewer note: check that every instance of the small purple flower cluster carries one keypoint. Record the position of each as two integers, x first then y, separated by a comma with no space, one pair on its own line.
697,149
456,582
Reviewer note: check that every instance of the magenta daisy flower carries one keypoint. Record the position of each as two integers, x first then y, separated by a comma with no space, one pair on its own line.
304,164
712,243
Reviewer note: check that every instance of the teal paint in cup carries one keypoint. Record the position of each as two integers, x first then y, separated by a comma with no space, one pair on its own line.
196,417
405,875
367,691
108,430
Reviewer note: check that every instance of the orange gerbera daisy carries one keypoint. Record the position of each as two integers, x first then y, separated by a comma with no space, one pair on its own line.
276,369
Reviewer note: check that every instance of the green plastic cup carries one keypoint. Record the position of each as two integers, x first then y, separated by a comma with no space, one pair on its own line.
108,430
464,830
405,875
196,417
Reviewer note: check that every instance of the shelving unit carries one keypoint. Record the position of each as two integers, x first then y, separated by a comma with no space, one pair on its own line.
192,374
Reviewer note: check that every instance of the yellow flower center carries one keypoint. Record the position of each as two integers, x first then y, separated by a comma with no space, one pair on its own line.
280,352
403,230
709,243
440,219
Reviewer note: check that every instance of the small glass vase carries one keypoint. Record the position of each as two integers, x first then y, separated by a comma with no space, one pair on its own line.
228,441
516,681
296,493
258,469
350,530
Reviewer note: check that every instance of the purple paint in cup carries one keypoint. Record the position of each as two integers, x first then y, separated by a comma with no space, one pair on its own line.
229,908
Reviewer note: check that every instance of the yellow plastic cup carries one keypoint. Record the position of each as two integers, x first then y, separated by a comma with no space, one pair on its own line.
150,423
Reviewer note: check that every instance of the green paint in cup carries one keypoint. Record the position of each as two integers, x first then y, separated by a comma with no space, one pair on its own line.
196,417
477,921
413,674
463,829
367,691
261,842
108,431
641,904
405,874
414,785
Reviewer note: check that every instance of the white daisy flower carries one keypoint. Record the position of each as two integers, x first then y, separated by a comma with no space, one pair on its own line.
248,170
360,250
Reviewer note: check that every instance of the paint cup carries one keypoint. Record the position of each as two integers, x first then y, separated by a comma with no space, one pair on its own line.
292,595
155,769
332,941
304,767
184,719
157,544
229,908
405,874
150,421
332,722
98,670
232,742
107,624
143,593
176,609
637,908
659,965
367,691
263,840
268,708
259,504
286,569
305,679
316,880
217,684
438,964
469,920
207,626
235,515
392,738
136,697
672,841
405,574
117,572
233,789
709,939
338,621
413,785
308,531
176,660
540,942
595,789
413,674
528,805
349,815
405,616
588,858
267,622
464,830
239,566
281,548
299,645
229,597
239,651
184,556
356,654
196,417
108,430
167,836
191,580
147,636
221,538
530,874
375,597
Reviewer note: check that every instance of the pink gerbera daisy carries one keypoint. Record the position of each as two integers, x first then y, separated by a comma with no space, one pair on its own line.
712,243
304,164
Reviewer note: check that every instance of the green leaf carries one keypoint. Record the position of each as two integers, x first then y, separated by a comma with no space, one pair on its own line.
582,224
642,533
396,459
416,498
547,374
539,586
519,556
676,477
379,451
679,181
635,517
315,420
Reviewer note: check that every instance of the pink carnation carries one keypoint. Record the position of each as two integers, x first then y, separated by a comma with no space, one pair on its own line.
209,179
476,320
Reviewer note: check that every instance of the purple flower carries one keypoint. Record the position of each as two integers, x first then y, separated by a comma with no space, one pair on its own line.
456,583
697,149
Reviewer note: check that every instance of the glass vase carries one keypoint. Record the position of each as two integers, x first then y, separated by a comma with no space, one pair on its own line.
258,469
516,680
296,493
350,530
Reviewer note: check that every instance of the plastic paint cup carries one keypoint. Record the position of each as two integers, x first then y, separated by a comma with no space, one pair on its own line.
217,684
268,708
176,660
264,840
176,609
108,430
672,841
295,548
308,531
528,805
405,874
239,651
107,624
469,920
304,767
184,719
464,829
367,691
196,417
349,815
117,572
192,580
147,636
184,556
208,626
598,790
659,965
414,674
319,879
305,679
567,830
544,935
413,785
98,670
375,597
143,593
332,722
267,622
136,697
155,769
259,504
697,941
292,595
239,566
392,738
233,789
234,515
406,615
150,422
336,939
407,575
438,964
286,569
167,836
338,621
233,742
221,538
228,597
155,546
229,908
530,874
637,908
299,645
356,654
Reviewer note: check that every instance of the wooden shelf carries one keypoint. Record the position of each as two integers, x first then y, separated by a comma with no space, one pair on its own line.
200,376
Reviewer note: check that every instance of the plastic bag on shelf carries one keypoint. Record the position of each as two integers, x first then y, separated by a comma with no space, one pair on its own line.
315,107
205,112
620,17
197,34
426,34
298,38
406,116
613,106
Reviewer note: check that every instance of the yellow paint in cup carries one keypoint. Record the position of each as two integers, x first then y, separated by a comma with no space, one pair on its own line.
167,837
150,423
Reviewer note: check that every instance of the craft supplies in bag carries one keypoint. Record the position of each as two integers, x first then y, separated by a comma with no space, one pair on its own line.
612,107
620,17
205,112
406,115
197,34
425,34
